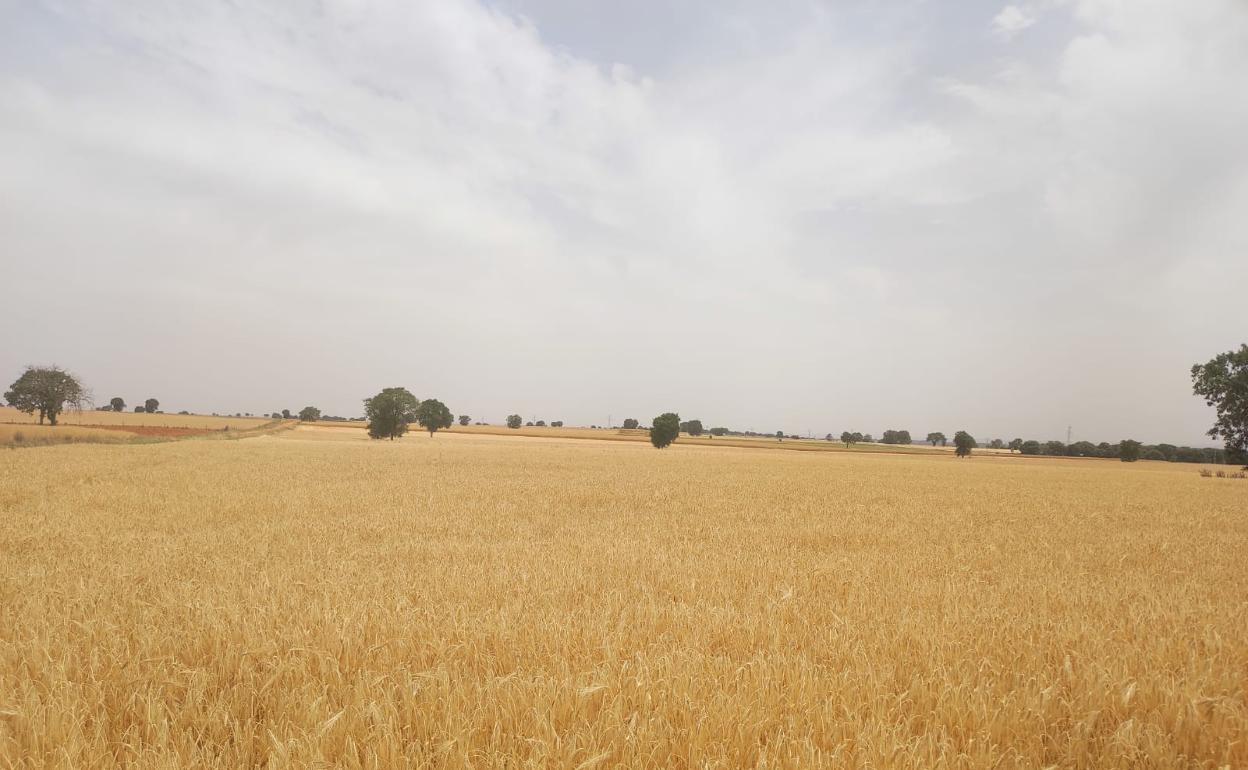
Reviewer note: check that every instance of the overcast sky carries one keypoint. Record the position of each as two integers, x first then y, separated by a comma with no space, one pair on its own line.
1008,218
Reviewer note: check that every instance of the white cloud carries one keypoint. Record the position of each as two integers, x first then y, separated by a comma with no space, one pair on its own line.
1012,20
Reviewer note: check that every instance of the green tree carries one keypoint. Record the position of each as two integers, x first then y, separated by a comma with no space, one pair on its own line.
996,443
1223,383
847,438
117,404
692,427
151,405
1082,449
388,413
937,438
464,419
1031,447
665,429
433,415
1129,450
46,391
1054,448
1016,445
514,421
309,414
964,442
631,423
719,431
286,413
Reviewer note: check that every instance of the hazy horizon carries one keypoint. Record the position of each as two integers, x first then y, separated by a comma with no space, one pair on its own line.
1007,218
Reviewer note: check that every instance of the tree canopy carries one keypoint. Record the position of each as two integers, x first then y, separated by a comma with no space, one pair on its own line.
1129,450
1223,383
630,423
514,421
117,404
692,427
309,414
47,391
388,413
937,438
464,419
151,405
964,442
433,415
665,429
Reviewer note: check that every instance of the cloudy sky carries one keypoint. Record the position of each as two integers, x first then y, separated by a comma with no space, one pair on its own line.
798,216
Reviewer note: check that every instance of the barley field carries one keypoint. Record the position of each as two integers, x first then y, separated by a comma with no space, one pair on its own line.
313,599
94,417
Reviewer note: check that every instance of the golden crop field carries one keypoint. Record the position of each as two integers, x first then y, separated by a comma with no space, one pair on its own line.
315,599
89,417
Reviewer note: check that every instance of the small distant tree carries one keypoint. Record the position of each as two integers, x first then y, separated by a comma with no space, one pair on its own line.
996,443
964,443
286,413
540,423
780,435
719,431
1031,447
1055,449
693,427
1129,450
276,416
631,424
556,423
1082,449
514,421
47,391
903,437
464,419
936,438
1016,445
664,430
117,404
139,410
151,405
309,414
388,413
867,439
847,438
433,415
529,424
1223,383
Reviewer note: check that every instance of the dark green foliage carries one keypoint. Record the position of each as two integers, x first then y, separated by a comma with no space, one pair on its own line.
309,414
899,437
964,443
433,415
1016,445
1082,449
1030,448
1055,449
117,404
151,405
46,391
388,413
692,427
631,424
665,430
464,419
937,438
1129,450
514,421
1223,383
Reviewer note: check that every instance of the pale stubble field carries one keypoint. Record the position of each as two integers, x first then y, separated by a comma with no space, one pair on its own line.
315,599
